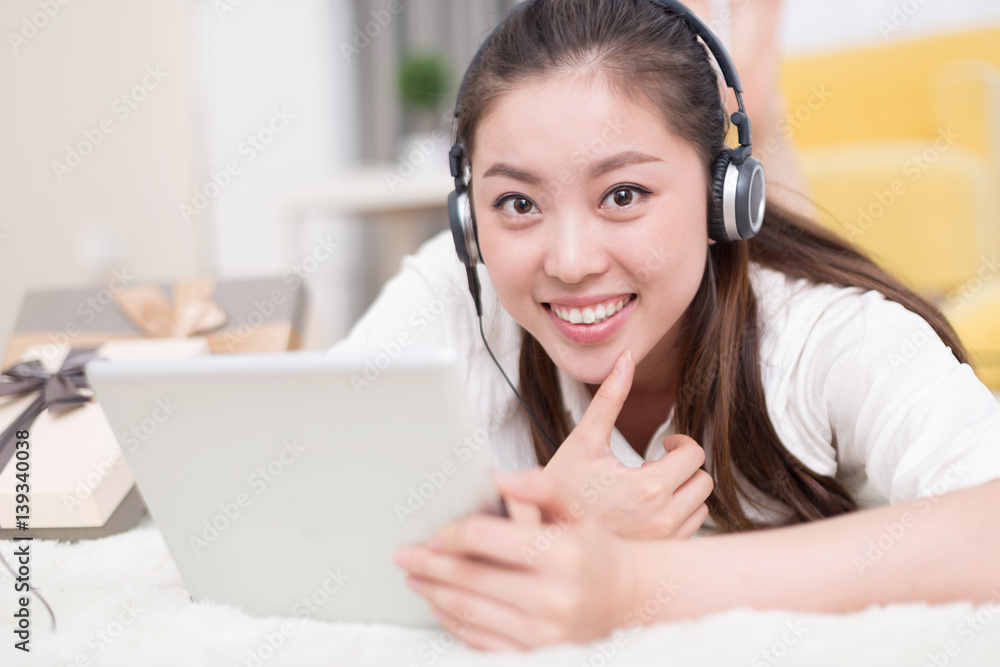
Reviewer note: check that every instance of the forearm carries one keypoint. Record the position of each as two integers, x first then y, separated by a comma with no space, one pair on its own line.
932,549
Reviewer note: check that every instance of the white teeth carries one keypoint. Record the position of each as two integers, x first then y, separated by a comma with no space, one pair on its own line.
591,315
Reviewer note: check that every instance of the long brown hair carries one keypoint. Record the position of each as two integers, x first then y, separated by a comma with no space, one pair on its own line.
653,58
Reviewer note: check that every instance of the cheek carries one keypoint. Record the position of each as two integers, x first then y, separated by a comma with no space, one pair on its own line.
510,270
670,267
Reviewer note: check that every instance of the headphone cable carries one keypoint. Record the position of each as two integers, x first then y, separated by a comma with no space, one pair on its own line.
525,405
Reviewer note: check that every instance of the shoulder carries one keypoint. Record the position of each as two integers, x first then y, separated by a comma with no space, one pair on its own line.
435,259
811,334
797,315
859,386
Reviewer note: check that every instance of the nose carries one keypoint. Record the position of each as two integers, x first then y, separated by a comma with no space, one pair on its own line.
576,249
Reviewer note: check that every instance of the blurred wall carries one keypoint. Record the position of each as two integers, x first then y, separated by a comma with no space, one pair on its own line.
153,137
279,105
98,143
826,25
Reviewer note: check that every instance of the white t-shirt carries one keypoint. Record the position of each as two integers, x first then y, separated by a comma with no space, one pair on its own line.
857,387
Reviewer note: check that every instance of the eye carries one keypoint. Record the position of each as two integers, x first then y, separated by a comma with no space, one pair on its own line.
515,205
623,196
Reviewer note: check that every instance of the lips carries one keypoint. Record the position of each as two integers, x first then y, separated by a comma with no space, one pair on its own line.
591,333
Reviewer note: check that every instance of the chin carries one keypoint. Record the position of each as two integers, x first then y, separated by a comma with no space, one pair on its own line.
589,369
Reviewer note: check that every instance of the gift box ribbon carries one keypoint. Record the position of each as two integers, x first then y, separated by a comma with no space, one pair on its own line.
58,392
192,312
228,314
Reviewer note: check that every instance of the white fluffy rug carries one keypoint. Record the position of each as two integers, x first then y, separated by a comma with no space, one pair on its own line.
120,601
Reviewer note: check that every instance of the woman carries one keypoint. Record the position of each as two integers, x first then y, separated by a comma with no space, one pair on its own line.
807,380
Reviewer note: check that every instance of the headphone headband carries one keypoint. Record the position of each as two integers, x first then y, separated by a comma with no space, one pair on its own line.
713,43
729,74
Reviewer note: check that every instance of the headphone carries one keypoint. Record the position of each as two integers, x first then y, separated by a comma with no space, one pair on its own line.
739,188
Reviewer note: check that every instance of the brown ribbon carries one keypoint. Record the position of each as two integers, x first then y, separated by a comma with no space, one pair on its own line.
58,392
192,312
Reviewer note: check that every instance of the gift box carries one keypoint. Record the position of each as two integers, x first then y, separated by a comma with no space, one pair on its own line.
79,484
236,316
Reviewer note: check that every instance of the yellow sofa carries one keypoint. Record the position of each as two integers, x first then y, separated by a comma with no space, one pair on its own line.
902,156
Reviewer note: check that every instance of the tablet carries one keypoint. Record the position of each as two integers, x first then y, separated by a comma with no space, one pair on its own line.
283,483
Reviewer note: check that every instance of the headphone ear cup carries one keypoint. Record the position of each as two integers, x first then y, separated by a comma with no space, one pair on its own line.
751,198
457,232
463,229
716,214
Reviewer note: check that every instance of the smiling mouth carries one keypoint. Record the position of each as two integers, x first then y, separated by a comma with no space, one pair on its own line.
590,315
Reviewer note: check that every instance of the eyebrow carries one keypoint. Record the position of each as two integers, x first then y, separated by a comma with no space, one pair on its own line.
614,162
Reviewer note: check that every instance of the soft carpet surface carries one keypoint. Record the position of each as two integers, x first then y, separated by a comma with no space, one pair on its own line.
121,601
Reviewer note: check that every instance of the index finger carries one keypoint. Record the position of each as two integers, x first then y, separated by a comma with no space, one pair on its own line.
607,403
489,538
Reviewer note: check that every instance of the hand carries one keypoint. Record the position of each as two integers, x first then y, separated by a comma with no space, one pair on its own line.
664,498
501,584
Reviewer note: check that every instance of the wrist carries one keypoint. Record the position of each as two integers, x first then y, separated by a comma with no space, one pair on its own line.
654,583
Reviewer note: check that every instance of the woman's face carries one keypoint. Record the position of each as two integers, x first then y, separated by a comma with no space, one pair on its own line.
587,206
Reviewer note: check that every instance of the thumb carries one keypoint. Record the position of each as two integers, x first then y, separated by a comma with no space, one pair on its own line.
541,490
602,413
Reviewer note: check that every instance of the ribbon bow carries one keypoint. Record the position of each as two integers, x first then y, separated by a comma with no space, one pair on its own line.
192,312
58,392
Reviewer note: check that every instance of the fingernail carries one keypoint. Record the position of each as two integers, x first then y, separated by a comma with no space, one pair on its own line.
511,480
403,557
623,362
